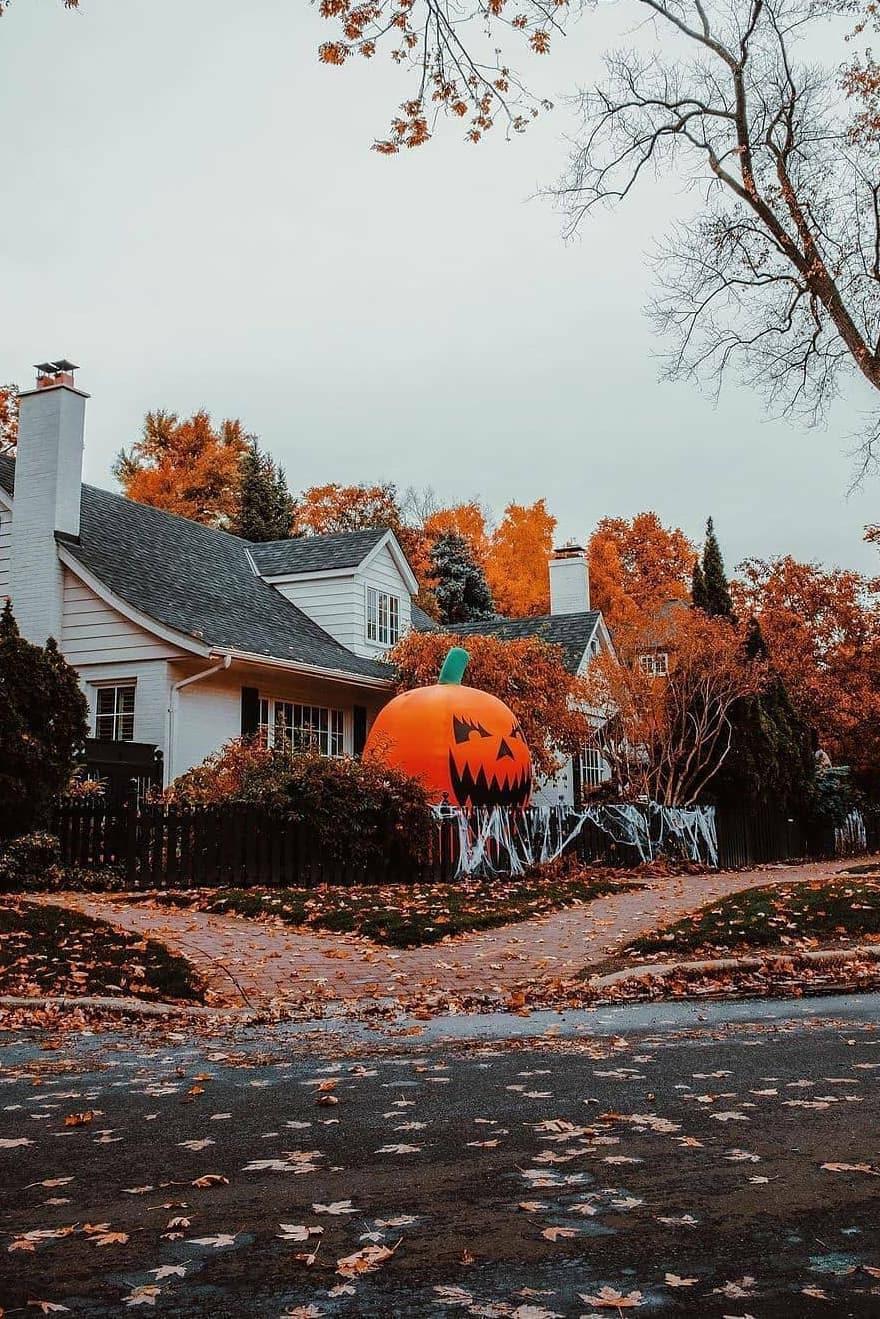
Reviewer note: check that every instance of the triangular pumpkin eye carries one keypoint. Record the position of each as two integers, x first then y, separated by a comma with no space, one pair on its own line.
462,729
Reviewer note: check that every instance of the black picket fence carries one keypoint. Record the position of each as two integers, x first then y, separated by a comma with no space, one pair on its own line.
157,846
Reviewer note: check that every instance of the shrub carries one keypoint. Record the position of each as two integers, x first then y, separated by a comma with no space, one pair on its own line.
42,721
30,862
361,814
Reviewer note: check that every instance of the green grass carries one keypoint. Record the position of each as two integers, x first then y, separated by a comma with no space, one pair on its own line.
50,950
406,916
825,912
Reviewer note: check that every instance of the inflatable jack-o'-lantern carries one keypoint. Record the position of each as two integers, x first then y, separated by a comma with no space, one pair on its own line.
464,745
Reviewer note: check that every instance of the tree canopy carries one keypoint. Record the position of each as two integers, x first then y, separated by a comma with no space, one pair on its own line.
460,587
266,509
637,566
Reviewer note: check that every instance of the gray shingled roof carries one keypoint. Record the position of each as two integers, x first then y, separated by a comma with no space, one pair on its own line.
570,631
197,581
277,558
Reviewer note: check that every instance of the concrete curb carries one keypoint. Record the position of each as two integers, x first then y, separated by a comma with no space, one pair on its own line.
661,970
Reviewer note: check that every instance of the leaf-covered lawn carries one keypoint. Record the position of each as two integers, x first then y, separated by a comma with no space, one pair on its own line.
51,950
405,916
845,909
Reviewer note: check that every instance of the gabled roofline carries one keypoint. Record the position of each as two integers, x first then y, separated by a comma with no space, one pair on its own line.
401,562
141,620
600,627
319,574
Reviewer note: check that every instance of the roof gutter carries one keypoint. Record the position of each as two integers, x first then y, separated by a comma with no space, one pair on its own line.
176,687
311,670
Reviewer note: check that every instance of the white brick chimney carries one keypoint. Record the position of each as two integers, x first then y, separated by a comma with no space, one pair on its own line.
569,580
48,489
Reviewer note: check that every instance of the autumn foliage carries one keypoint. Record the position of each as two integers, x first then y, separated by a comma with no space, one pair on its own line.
637,567
8,418
528,675
188,467
516,562
665,738
822,628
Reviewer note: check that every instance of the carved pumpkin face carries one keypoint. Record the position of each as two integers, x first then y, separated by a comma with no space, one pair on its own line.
464,744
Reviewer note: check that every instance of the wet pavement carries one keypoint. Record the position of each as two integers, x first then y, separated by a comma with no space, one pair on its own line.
664,1160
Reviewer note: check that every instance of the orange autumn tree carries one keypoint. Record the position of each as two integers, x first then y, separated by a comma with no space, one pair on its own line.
822,628
665,738
637,567
325,509
516,564
8,418
529,675
188,466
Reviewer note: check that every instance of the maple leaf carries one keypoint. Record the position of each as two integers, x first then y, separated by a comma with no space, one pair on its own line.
399,1149
610,1297
367,1260
559,1233
109,1239
297,1232
9,1143
673,1280
145,1295
337,1207
221,1239
79,1119
211,1179
169,1271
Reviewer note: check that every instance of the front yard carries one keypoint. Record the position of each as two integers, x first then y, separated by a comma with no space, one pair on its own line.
410,915
48,950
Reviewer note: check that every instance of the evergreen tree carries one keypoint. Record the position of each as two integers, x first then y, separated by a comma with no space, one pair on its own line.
265,505
698,587
717,594
42,722
771,758
461,591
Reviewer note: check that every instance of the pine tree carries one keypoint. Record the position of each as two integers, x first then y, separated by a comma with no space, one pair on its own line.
266,507
42,722
461,591
717,594
771,758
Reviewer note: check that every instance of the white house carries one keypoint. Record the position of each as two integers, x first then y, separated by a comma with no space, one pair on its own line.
184,636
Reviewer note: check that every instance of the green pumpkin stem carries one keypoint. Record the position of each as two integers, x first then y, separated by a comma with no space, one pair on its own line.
454,666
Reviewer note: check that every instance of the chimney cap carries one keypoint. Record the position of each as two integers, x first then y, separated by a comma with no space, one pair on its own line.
52,368
569,550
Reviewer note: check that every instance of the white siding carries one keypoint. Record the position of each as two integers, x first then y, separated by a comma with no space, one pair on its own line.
93,632
5,549
382,573
208,713
333,603
152,689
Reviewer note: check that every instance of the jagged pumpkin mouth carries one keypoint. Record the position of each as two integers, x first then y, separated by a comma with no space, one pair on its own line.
478,790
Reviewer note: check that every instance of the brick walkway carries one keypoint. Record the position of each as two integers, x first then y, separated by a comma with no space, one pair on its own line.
261,962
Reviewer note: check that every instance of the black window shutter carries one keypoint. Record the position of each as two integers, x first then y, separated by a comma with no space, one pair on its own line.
250,711
359,738
577,782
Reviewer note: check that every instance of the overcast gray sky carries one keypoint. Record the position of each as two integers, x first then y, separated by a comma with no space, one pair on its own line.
193,214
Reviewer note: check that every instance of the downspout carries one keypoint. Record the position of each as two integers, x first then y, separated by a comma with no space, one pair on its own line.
172,709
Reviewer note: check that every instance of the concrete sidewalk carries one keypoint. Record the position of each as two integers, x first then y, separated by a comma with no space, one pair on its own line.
260,963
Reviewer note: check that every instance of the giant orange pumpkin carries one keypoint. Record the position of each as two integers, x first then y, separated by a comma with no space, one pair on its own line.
464,745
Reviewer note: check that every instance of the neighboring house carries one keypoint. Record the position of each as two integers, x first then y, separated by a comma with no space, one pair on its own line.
582,634
184,636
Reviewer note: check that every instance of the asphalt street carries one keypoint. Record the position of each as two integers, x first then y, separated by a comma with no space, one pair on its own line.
718,1163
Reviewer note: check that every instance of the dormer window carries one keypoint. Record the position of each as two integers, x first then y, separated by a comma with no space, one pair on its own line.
383,617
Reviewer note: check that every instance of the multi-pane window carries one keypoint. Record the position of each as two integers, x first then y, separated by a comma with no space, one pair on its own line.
302,727
655,665
383,617
593,768
114,714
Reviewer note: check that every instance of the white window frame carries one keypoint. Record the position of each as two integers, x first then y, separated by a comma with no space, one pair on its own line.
382,621
117,715
312,727
655,665
594,768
